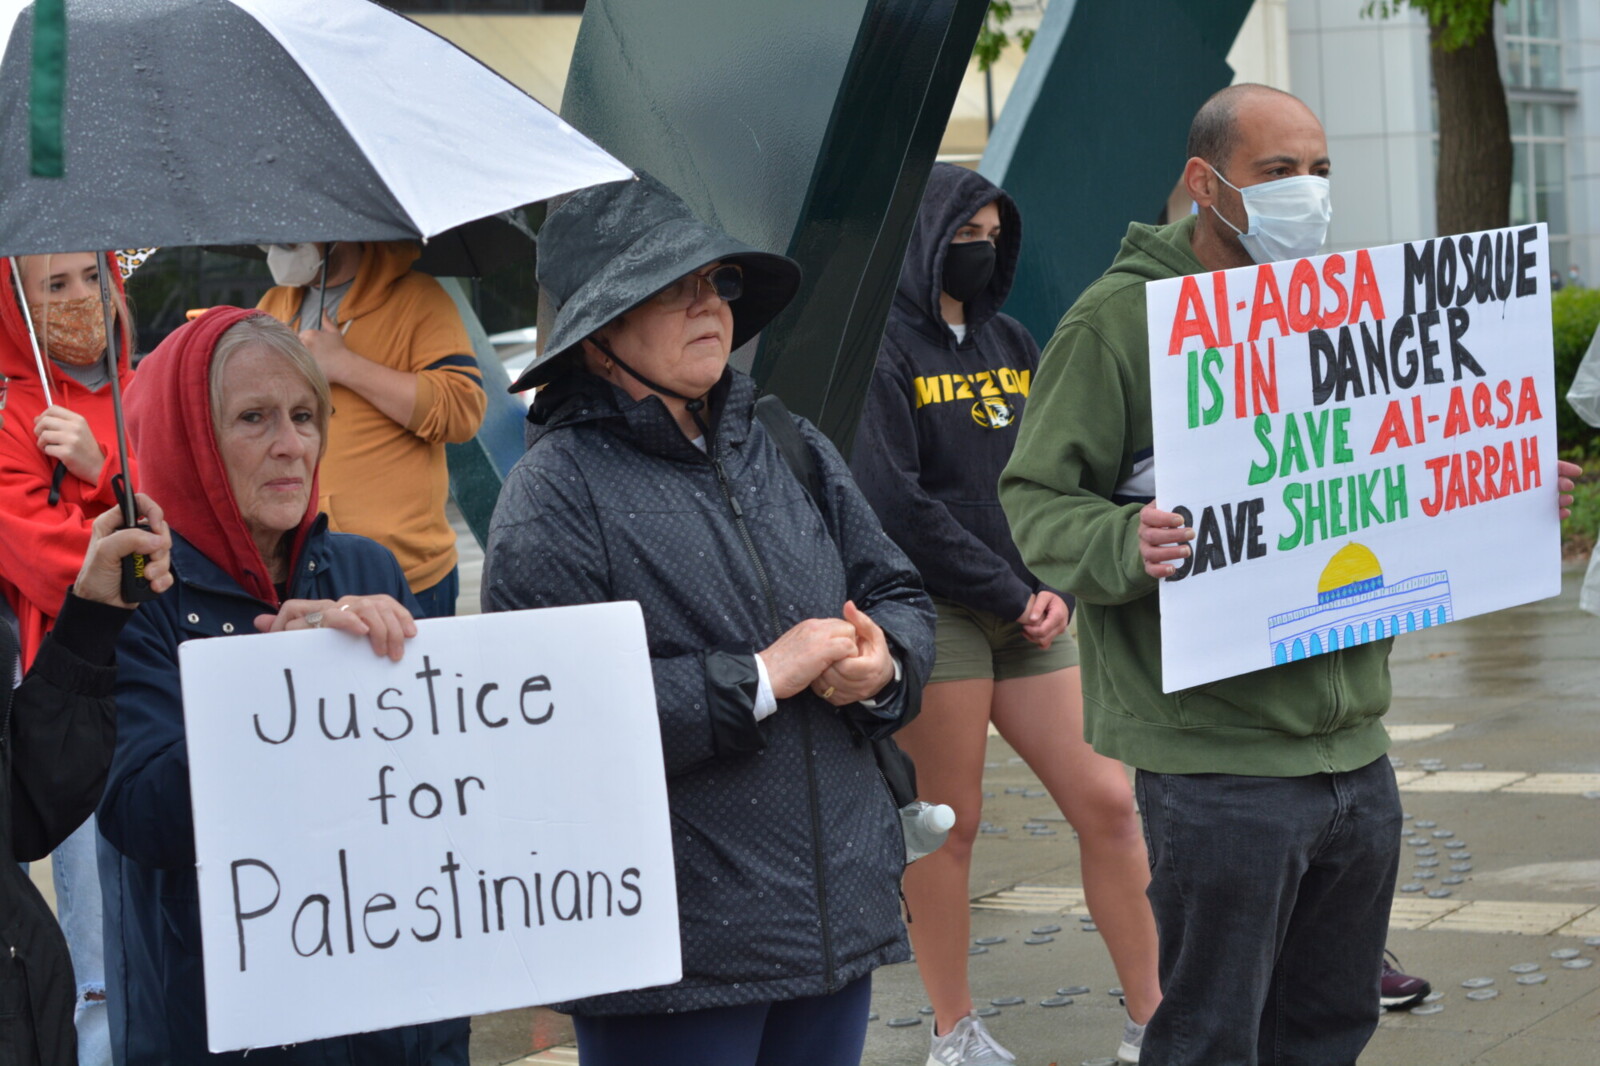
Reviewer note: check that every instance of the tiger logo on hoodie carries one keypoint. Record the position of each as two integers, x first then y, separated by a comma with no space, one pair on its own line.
993,412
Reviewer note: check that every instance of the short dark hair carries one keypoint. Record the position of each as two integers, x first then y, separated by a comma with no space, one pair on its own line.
1213,135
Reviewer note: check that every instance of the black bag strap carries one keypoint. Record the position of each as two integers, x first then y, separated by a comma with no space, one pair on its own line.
899,772
797,454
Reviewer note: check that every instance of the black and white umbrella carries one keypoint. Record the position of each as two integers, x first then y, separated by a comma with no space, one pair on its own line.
207,122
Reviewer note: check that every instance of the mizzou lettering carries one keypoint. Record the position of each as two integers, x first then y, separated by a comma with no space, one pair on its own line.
984,385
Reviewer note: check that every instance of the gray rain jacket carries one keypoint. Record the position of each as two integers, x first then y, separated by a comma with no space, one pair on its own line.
787,844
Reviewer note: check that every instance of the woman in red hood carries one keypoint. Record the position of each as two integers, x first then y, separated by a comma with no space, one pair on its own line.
231,415
57,431
57,460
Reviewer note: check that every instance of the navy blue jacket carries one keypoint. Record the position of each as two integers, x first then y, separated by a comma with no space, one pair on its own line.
145,814
942,415
786,842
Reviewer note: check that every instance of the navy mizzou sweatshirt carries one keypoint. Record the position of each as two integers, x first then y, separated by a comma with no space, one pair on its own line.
941,415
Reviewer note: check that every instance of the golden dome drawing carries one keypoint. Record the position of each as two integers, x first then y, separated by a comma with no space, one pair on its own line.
1352,569
1356,604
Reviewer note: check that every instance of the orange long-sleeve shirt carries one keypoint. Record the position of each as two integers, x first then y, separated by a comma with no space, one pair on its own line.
379,478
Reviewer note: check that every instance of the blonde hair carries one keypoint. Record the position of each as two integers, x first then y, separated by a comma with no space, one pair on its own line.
268,334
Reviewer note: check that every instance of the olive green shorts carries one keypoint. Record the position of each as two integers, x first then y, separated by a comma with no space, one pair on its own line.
971,644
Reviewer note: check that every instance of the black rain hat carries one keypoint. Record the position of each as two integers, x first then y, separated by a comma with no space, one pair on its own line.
609,248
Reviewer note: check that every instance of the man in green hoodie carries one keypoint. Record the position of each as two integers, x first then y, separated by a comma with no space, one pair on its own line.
1272,816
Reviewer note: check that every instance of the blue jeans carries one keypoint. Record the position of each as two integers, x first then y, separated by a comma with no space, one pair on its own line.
439,601
1271,897
75,868
812,1031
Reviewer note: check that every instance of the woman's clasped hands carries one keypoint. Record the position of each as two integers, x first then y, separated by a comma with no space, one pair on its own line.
843,660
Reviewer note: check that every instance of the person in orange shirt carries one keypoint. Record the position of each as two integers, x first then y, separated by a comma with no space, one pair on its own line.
404,382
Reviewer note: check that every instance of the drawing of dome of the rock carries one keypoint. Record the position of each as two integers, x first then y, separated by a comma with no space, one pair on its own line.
1352,571
1357,605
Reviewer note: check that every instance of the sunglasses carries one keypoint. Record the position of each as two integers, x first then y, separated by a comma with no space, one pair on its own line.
726,282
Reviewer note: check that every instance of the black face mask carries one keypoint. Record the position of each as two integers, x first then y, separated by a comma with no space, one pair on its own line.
967,269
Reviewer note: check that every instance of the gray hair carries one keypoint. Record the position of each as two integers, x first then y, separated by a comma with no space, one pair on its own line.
268,334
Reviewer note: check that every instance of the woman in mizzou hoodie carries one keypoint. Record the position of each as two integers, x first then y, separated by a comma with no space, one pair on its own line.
940,420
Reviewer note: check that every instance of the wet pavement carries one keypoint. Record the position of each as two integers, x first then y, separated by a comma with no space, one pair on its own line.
1507,707
1497,744
1497,726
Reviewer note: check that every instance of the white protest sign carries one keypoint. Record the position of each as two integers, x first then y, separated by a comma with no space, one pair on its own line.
1364,443
480,826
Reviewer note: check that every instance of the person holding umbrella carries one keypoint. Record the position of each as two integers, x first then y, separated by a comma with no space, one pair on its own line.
390,342
782,635
231,414
57,730
58,468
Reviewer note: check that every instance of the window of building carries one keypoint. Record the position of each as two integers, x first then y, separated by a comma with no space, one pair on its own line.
1538,99
1539,171
1533,44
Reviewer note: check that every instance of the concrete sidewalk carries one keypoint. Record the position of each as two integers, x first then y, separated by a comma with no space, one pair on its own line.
1508,705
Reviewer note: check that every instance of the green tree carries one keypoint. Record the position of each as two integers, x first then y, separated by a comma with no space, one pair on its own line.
993,37
992,40
1473,186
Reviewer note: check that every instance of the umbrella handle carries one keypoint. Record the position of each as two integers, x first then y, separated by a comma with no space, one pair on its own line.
113,355
135,586
56,479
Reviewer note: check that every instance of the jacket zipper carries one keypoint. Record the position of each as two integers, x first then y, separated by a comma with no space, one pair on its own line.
1336,702
830,977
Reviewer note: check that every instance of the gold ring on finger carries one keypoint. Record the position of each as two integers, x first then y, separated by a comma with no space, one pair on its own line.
828,693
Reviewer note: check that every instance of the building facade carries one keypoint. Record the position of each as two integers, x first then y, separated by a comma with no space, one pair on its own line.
1369,79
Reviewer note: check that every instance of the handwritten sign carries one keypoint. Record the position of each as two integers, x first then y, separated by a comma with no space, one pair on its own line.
479,827
1364,443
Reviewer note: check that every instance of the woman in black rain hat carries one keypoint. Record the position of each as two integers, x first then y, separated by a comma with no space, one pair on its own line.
781,633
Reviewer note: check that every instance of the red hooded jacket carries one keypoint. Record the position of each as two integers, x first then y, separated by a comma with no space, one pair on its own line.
42,546
169,422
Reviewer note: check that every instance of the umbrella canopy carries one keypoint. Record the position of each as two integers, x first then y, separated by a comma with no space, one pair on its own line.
205,122
470,250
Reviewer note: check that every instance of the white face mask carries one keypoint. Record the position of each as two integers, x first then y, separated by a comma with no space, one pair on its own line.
1288,218
294,265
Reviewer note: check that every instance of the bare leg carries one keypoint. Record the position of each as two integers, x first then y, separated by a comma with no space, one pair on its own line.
1041,717
947,741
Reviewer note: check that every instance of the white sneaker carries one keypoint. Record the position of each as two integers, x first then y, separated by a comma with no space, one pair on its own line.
1132,1039
968,1044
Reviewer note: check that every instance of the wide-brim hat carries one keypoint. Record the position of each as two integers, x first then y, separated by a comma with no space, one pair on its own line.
609,248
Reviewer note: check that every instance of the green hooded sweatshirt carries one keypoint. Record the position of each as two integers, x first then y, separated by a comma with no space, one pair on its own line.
1074,512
